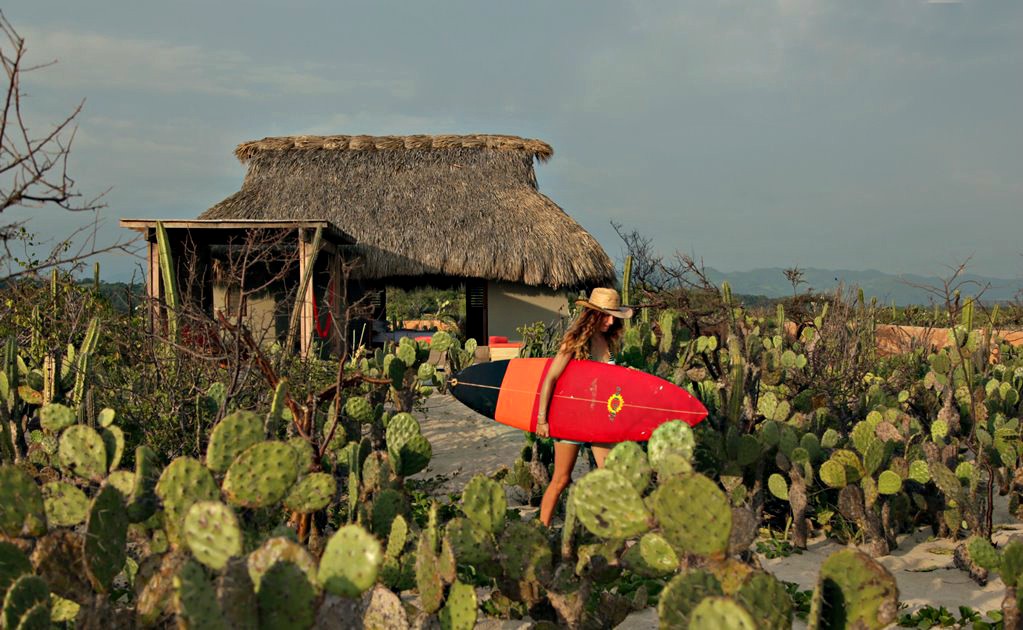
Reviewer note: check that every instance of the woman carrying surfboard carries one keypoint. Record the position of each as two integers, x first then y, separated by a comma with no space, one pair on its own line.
594,335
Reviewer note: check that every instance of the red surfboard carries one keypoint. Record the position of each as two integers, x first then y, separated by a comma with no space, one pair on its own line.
592,402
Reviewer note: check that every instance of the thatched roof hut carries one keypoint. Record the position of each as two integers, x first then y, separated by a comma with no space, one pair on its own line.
452,206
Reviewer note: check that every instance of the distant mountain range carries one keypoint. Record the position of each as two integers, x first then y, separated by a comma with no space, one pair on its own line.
904,289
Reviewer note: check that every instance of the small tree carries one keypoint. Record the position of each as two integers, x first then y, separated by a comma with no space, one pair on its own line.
34,168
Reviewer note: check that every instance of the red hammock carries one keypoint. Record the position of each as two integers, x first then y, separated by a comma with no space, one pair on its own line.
323,331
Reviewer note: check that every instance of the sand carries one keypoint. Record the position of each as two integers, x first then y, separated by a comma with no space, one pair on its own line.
466,443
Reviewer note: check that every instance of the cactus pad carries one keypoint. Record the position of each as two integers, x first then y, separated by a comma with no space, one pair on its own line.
236,596
472,546
195,599
766,599
22,595
946,481
123,480
387,505
459,612
287,599
66,505
889,482
83,452
105,417
681,596
350,562
56,417
142,502
652,557
312,493
232,435
919,471
778,486
983,554
609,506
277,550
182,483
484,503
38,617
628,460
22,508
113,441
13,564
525,552
211,531
106,536
694,514
856,591
671,448
428,578
410,452
262,475
832,473
360,409
305,452
721,612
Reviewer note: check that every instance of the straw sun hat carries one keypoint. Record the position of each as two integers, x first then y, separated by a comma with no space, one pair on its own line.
606,301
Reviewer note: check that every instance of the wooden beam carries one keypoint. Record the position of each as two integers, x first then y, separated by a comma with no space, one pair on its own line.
153,284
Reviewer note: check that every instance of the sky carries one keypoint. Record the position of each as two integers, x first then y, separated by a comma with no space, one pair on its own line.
875,134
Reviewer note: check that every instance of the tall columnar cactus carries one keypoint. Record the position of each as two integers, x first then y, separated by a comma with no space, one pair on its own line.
83,361
170,280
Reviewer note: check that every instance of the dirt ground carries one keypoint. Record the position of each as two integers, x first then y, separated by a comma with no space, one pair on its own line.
466,443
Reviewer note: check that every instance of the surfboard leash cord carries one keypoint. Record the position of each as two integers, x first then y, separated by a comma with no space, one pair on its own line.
455,383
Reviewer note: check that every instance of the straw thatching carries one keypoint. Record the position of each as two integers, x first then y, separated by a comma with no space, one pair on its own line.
456,206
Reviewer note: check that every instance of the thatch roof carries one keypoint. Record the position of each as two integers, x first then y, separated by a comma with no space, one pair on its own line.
462,206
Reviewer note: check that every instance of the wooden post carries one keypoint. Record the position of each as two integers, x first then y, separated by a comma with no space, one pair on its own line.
153,282
305,318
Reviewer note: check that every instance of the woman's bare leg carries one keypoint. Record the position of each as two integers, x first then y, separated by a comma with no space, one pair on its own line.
564,461
600,452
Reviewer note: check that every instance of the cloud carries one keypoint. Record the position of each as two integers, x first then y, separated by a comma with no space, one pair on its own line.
95,60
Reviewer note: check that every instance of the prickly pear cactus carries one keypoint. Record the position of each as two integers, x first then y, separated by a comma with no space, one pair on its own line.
83,452
766,599
211,531
305,452
472,546
651,557
312,493
485,504
428,579
142,502
410,452
66,505
106,538
113,441
628,460
694,514
983,554
22,508
195,601
671,449
287,599
236,596
681,596
181,484
459,612
360,409
262,475
721,612
350,562
276,550
13,564
609,506
24,594
854,591
232,435
56,417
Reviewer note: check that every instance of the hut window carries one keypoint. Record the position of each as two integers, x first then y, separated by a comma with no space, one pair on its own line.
478,296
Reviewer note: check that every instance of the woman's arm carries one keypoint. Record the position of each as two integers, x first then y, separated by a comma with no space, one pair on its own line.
558,364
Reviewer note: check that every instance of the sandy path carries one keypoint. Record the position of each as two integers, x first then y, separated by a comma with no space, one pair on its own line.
466,443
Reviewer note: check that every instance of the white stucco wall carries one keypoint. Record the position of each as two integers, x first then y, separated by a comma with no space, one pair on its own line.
511,306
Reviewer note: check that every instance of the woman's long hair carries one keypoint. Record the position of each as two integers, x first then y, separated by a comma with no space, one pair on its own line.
577,338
